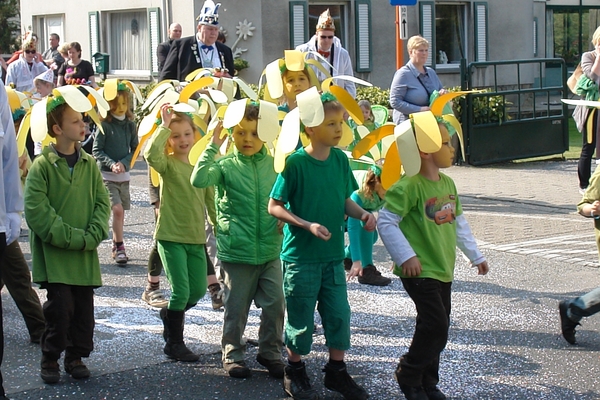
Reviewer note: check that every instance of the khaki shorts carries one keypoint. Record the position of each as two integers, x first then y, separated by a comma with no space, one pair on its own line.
119,193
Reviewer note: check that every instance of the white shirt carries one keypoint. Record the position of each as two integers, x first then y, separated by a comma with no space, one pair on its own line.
18,72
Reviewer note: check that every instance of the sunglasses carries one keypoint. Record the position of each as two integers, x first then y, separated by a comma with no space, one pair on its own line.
326,37
30,51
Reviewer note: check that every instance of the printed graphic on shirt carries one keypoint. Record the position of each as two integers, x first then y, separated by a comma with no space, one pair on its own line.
441,210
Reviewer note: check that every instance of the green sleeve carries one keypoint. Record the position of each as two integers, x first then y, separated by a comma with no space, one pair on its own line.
207,172
155,149
209,201
133,144
97,230
98,148
42,217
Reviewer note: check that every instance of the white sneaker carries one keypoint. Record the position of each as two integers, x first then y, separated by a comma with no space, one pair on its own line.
155,298
582,191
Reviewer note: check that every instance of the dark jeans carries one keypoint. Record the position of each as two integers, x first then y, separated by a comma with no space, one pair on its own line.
587,152
14,273
69,313
420,365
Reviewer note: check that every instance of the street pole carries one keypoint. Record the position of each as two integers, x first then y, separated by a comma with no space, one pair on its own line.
399,50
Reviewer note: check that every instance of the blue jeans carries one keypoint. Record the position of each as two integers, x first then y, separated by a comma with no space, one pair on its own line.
584,306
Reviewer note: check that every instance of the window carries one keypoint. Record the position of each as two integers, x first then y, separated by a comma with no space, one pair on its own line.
44,25
338,13
450,34
129,41
569,37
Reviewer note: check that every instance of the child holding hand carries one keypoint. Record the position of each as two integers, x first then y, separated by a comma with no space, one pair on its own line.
179,230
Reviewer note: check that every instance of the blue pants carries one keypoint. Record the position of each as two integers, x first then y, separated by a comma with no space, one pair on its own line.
584,306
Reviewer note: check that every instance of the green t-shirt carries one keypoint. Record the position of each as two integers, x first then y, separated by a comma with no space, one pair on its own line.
315,191
428,210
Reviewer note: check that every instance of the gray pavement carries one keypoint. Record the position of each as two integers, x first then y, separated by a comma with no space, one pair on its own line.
504,340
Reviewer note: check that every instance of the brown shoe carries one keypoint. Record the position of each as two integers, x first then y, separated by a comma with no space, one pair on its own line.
371,276
216,295
77,369
237,369
50,371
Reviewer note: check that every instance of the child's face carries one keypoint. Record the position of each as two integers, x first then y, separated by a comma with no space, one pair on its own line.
72,128
43,88
329,133
294,82
444,157
245,137
121,106
366,111
182,137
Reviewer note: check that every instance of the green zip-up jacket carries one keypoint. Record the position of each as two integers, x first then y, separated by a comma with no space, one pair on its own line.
67,213
246,232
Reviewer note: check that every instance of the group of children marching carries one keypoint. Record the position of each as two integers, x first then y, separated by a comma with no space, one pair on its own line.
280,236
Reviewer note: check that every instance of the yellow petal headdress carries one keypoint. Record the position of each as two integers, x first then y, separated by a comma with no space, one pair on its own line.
229,86
19,106
418,133
113,86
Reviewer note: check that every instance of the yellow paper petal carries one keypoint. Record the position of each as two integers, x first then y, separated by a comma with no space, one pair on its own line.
391,170
372,139
590,126
427,131
294,60
194,86
22,134
407,148
279,160
47,140
438,104
111,88
386,143
134,88
183,108
326,85
290,131
245,88
274,80
39,127
234,113
458,128
147,124
100,101
311,107
154,177
218,96
349,103
347,135
138,149
352,79
319,66
201,124
192,75
198,148
228,87
74,98
362,131
268,122
587,103
155,93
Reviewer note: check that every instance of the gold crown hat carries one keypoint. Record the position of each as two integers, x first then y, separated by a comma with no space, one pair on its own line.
325,21
209,15
80,98
420,132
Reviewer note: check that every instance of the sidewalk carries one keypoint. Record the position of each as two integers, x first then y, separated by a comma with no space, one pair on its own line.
504,339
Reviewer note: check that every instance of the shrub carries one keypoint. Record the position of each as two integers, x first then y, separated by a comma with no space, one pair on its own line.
374,94
240,64
486,109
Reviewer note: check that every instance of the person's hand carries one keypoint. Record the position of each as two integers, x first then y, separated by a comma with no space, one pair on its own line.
595,208
370,223
320,231
14,227
118,168
412,267
482,268
166,113
356,270
216,138
442,91
424,109
23,164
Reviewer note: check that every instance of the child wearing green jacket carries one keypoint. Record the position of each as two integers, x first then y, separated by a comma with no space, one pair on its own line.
67,209
248,242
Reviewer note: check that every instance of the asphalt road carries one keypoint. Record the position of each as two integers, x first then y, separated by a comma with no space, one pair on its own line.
504,340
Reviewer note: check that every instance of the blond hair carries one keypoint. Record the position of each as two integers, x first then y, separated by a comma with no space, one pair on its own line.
596,37
415,42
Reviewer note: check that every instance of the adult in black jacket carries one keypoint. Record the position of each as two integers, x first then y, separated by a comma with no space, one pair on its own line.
200,51
162,50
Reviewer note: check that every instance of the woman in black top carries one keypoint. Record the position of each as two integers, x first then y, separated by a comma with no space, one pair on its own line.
76,71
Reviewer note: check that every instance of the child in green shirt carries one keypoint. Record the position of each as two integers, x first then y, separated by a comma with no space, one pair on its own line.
312,195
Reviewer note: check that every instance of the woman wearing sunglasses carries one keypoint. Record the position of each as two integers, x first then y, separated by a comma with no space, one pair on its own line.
22,71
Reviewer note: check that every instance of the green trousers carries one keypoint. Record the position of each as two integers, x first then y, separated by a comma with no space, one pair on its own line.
185,266
244,283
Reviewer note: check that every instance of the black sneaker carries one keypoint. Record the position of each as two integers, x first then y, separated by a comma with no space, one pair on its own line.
77,369
276,367
340,381
50,371
237,369
433,393
567,326
297,385
371,276
414,392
